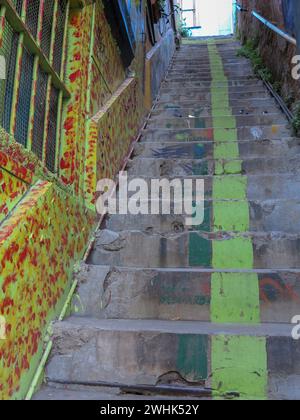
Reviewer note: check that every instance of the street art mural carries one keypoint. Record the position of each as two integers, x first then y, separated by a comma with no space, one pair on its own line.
84,110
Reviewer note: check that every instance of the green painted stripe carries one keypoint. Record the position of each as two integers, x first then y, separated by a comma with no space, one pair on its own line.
239,364
236,296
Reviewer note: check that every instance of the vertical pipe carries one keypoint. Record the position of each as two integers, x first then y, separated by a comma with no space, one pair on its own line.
53,31
64,49
47,113
32,102
16,88
35,77
58,129
13,115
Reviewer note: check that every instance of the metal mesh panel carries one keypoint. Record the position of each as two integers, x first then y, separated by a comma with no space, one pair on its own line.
32,16
39,113
18,5
24,97
52,127
47,27
59,35
8,49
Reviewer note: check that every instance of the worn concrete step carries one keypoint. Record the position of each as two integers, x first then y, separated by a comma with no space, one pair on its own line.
242,73
206,97
181,112
227,250
193,90
206,112
156,352
224,187
159,167
58,392
262,216
240,103
202,80
276,131
203,65
237,75
200,84
232,186
205,59
124,293
287,147
206,66
222,121
217,122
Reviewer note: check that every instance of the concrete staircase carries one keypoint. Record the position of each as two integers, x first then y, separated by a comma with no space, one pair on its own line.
172,311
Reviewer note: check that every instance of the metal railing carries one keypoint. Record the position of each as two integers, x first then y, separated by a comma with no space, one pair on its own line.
267,23
274,28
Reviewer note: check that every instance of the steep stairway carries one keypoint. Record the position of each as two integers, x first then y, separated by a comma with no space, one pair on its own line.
174,311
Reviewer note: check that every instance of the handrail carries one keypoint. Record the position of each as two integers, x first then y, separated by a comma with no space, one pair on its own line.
267,23
274,28
241,8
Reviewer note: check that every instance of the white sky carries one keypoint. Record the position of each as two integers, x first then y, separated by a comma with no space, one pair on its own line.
216,16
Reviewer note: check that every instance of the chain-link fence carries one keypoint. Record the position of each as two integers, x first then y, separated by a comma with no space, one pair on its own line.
29,103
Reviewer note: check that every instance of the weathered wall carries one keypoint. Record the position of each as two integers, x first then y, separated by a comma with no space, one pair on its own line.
158,57
276,52
46,218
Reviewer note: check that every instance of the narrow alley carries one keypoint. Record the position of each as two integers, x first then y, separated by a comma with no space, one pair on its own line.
149,202
206,310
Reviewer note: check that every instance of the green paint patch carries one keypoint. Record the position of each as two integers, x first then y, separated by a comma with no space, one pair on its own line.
230,187
224,122
200,251
232,167
220,112
235,298
233,253
239,364
225,134
224,150
192,357
231,216
182,137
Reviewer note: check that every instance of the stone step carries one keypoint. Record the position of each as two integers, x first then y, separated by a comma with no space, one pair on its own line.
181,112
288,147
237,75
228,250
185,295
194,83
58,392
197,90
159,167
205,98
262,216
151,352
224,187
205,60
223,121
198,135
241,103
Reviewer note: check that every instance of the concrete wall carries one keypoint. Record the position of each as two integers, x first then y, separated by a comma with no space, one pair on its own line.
46,219
276,52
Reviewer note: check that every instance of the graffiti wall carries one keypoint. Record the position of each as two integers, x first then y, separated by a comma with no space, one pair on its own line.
89,108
